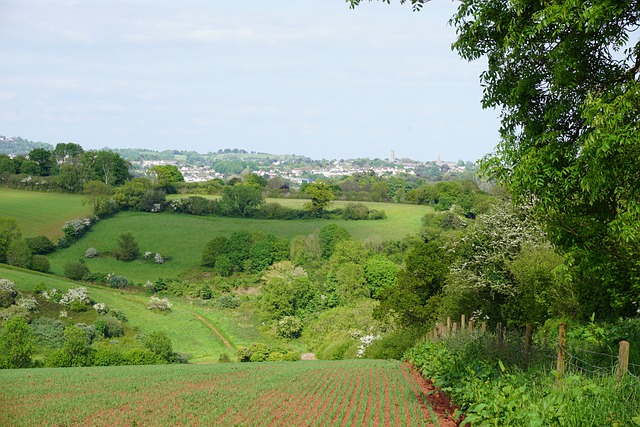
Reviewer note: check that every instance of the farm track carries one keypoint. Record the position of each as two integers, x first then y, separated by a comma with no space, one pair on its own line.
212,328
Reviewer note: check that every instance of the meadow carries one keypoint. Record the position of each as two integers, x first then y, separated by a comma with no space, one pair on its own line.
311,393
42,213
181,238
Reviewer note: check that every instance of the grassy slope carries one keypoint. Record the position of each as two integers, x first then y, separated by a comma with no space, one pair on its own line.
182,238
41,213
188,333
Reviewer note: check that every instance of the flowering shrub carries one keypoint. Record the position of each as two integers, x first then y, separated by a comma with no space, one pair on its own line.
28,302
160,304
50,294
91,253
76,228
75,295
101,308
7,292
158,259
365,341
64,314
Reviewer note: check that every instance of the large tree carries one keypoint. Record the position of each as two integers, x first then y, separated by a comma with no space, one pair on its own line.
565,76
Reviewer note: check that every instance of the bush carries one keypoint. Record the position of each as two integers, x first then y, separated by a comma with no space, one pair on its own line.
40,245
159,304
91,253
160,344
108,356
391,346
8,293
40,263
128,249
48,332
227,301
76,271
116,282
109,327
141,356
289,327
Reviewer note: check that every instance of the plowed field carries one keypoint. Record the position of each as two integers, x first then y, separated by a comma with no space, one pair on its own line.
310,393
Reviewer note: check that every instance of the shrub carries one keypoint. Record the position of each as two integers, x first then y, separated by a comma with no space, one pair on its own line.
16,344
28,302
75,294
227,301
224,358
160,343
7,293
116,282
355,211
109,327
159,304
40,245
108,356
289,327
19,254
76,228
141,356
48,332
128,249
76,271
91,253
40,263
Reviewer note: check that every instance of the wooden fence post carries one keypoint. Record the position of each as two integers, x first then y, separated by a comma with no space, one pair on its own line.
454,327
623,360
528,337
462,322
500,336
562,351
448,325
470,326
484,326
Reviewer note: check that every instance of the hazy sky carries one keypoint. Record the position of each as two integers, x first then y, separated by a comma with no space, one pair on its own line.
307,77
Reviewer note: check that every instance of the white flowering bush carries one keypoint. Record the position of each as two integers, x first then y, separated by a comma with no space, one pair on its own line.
365,341
76,227
158,259
64,314
28,302
50,294
79,295
91,253
159,304
7,292
101,308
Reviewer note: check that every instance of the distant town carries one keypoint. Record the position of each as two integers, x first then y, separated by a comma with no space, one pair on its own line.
226,163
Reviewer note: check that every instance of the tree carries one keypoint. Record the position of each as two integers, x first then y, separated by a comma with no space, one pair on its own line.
241,199
329,236
165,176
107,166
160,343
98,196
9,231
128,249
16,344
19,254
321,196
44,159
565,76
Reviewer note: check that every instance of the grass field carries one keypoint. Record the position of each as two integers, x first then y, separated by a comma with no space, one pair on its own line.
182,238
41,213
188,332
312,393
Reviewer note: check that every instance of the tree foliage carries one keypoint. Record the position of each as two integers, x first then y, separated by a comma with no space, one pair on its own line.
565,77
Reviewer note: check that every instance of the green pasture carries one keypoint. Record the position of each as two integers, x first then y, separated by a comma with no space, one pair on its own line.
188,333
41,213
181,238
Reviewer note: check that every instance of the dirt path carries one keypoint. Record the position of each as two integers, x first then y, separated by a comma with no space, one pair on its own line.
213,328
435,398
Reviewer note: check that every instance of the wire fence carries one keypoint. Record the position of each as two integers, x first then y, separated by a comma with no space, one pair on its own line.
526,350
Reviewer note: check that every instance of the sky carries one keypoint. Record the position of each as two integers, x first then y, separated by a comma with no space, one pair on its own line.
305,77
